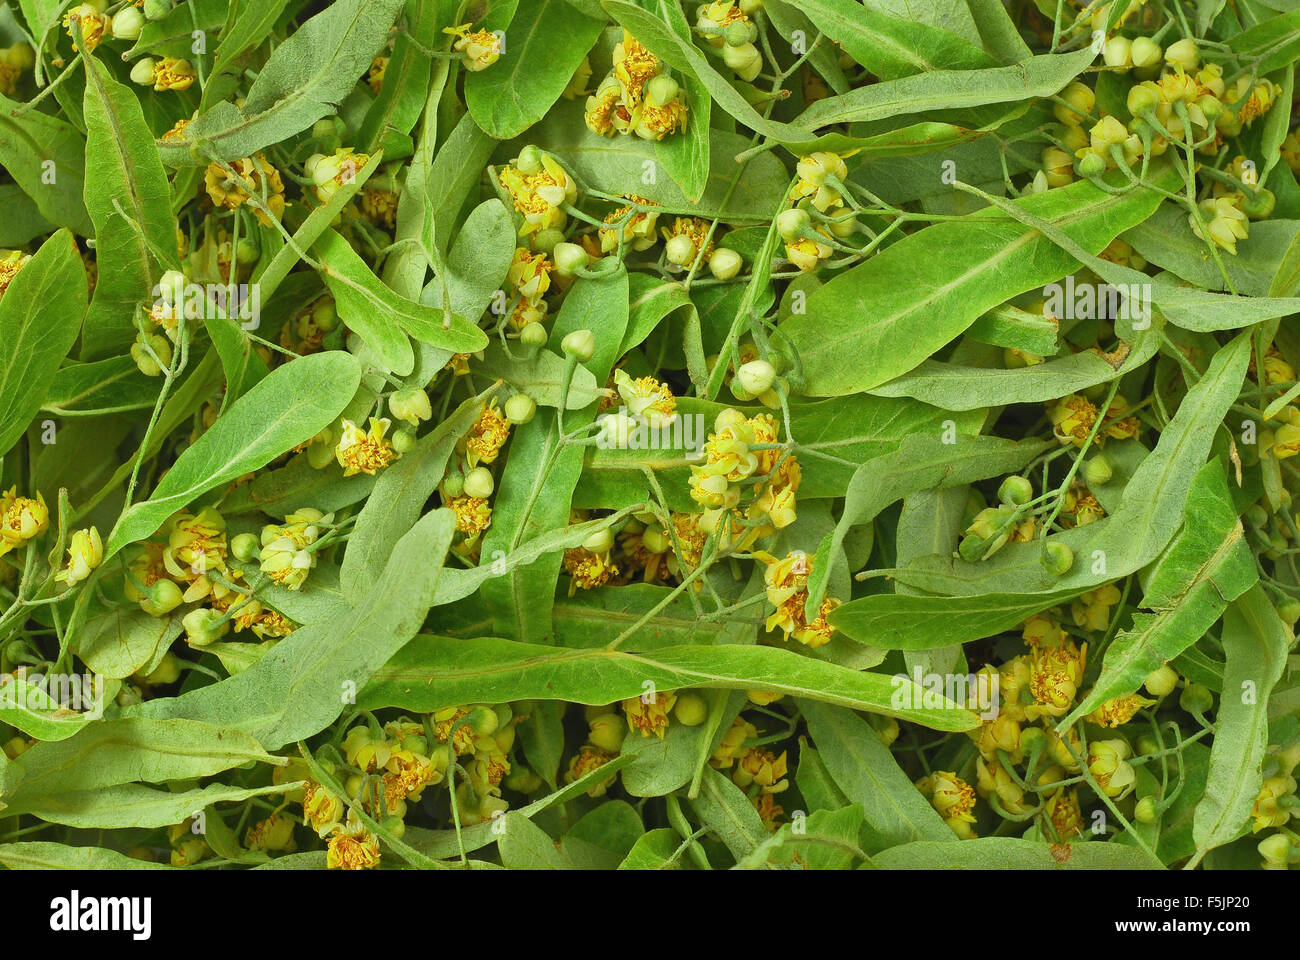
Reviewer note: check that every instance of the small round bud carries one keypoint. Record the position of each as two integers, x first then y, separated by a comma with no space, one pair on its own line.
453,485
745,60
1142,99
203,626
521,780
580,344
127,23
20,56
1016,490
1146,811
1057,558
756,376
655,539
529,160
680,250
1196,699
1289,611
161,599
1275,849
1097,471
483,721
244,546
730,417
737,34
661,90
1147,745
1145,52
1079,101
142,71
479,483
1183,53
403,439
599,542
792,223
569,258
410,404
725,263
167,671
1162,681
157,9
520,408
545,241
1091,166
171,286
245,252
691,709
1118,52
1259,204
533,337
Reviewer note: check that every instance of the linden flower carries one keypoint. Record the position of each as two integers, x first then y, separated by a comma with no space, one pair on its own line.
85,553
9,267
196,544
588,759
634,64
21,519
787,590
286,557
1043,631
953,799
1108,763
170,73
1092,610
255,177
733,744
646,397
777,499
806,253
320,808
1055,675
993,779
605,112
530,275
444,722
695,230
649,717
486,437
1268,810
379,206
1081,506
1072,419
1276,369
638,231
473,514
273,833
538,188
361,452
479,49
813,171
1118,711
352,847
588,569
1225,222
1062,810
92,22
329,173
761,767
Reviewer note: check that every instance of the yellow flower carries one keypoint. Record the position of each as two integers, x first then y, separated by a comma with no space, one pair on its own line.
638,232
787,592
487,436
649,717
21,519
352,847
375,78
320,808
993,778
1000,733
1118,711
1268,811
1276,369
538,187
805,253
1055,675
656,122
605,112
696,231
634,65
646,397
170,73
444,721
588,569
273,833
813,171
196,544
379,206
530,275
1081,506
1225,222
10,264
255,176
473,514
329,173
1092,610
768,810
1072,419
361,452
1043,631
84,554
761,767
587,759
93,24
733,743
1109,766
1063,812
953,799
777,497
480,49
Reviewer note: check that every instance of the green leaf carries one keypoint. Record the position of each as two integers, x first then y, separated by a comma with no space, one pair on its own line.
435,672
1208,565
1012,853
45,855
40,317
882,318
305,79
303,683
289,407
728,814
120,641
133,805
544,43
35,145
1255,642
526,846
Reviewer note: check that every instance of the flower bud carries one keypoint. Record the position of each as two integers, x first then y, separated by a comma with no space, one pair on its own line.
452,486
410,404
1016,490
1146,810
403,439
792,223
161,599
1183,53
1147,745
1078,96
483,721
1276,850
520,408
20,56
1091,166
533,336
756,376
738,33
607,731
157,9
529,160
1142,99
1259,205
680,250
661,90
1145,52
1097,471
580,344
1118,52
1289,611
1162,681
142,70
479,483
244,546
1196,699
655,539
203,626
599,542
569,258
745,60
725,263
162,349
1057,558
167,671
690,710
127,23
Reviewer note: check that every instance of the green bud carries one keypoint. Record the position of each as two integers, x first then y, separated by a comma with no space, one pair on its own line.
127,23
599,542
1147,745
691,709
580,344
479,483
1091,166
1146,811
403,439
569,258
1289,610
244,546
520,408
1183,53
324,315
1057,558
547,240
1016,490
157,9
1097,471
680,250
792,223
1162,681
203,626
725,263
483,721
1275,849
453,485
395,826
167,671
1142,100
655,539
1196,699
1145,52
661,90
529,160
1259,205
756,376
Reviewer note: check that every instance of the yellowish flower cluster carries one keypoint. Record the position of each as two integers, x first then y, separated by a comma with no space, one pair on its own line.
787,591
479,49
636,97
358,451
637,232
287,554
253,176
538,188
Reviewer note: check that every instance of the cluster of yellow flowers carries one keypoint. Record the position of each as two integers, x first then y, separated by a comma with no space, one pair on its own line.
479,49
1274,807
820,187
727,29
744,452
786,583
249,177
637,96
